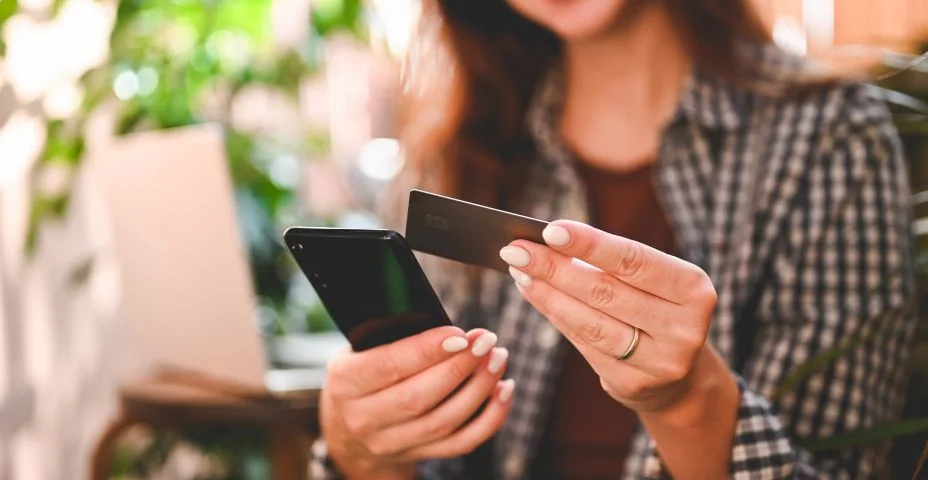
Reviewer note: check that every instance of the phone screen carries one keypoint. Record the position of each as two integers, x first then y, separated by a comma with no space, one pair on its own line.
371,286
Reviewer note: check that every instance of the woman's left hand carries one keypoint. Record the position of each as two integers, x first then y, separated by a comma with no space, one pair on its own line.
597,288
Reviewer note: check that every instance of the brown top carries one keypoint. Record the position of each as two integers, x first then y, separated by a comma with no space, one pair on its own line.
589,434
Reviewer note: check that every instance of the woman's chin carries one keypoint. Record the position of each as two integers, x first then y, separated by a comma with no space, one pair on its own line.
580,31
572,20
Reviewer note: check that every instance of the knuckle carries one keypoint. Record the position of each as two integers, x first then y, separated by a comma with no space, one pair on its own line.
587,248
637,387
467,449
357,425
460,370
602,295
549,268
336,387
377,448
606,387
437,429
701,287
410,403
709,296
632,263
690,335
462,447
390,370
676,372
593,332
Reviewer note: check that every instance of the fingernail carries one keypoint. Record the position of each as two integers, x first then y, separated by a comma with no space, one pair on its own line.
484,344
454,344
505,390
515,256
498,359
556,235
522,278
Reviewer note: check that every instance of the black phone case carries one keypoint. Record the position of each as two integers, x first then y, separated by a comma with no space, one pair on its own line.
369,332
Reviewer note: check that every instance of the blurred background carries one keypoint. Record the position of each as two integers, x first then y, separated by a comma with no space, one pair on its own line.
153,151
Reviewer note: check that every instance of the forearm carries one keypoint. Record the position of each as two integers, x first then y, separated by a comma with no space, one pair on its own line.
351,467
384,472
694,437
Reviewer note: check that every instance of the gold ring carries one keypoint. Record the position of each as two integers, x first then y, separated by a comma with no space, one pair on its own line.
631,346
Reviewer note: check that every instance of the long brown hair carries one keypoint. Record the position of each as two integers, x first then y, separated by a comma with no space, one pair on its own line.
472,72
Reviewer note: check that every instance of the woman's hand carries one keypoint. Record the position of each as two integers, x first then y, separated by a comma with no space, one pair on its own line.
597,288
386,408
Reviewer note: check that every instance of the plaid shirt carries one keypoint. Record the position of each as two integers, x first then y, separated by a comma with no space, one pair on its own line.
798,208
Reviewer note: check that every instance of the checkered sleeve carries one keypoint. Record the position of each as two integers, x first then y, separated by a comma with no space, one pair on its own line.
839,294
321,466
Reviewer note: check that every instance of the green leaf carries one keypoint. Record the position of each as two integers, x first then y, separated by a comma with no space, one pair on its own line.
869,436
42,210
912,124
921,462
64,144
825,359
333,15
56,7
132,115
8,8
900,99
249,17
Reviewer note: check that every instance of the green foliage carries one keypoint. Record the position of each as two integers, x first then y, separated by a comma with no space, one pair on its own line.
827,358
233,453
906,93
869,436
183,62
923,459
333,15
7,9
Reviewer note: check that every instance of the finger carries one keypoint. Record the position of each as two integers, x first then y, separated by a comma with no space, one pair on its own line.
583,325
623,382
475,433
449,416
418,394
361,373
590,285
634,263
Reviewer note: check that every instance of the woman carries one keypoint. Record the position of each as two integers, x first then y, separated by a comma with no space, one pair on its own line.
728,218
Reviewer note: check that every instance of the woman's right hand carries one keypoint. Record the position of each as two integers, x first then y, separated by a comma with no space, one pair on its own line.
384,409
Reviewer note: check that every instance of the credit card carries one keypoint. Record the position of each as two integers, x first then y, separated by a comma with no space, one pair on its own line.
465,232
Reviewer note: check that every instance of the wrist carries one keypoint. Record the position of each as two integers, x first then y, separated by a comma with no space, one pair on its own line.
354,467
705,396
349,462
380,471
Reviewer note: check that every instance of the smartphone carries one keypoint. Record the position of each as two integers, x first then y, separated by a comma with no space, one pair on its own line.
369,281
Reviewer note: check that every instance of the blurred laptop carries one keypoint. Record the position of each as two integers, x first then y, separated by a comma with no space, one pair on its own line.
187,295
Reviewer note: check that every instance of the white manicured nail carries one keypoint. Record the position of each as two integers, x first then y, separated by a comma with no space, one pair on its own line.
556,235
497,359
522,278
505,390
515,256
484,344
454,344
